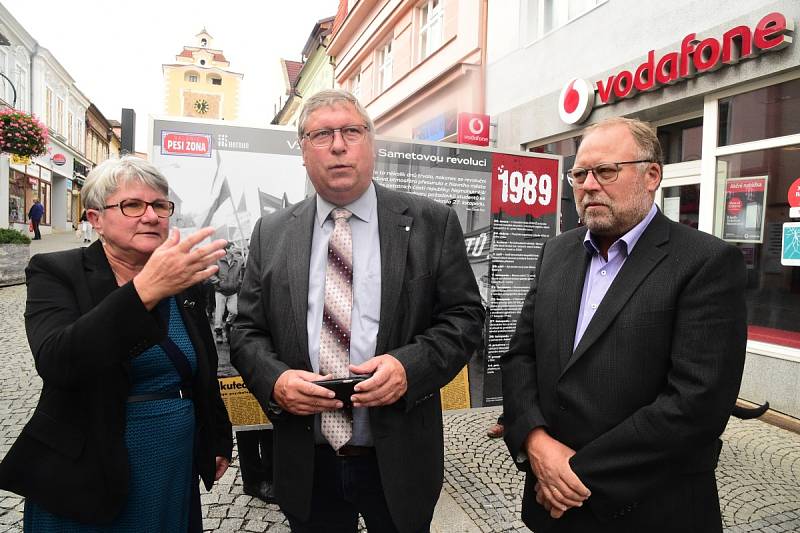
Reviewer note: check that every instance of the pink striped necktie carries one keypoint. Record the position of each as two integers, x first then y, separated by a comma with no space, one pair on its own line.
334,345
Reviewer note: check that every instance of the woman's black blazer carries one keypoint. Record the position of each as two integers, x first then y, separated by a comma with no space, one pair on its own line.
83,331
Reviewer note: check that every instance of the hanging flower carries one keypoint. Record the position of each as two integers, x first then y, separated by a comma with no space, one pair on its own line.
22,134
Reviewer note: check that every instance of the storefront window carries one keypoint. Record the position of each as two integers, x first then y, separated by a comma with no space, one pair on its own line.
681,203
773,111
752,206
681,141
16,197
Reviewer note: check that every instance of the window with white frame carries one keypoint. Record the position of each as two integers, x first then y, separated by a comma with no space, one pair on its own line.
385,67
22,87
59,115
70,129
431,27
48,107
544,16
355,85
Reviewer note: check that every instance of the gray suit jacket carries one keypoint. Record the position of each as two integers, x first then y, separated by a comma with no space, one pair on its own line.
431,320
649,388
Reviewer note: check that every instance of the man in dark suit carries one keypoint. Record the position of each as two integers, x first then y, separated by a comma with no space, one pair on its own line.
627,357
386,291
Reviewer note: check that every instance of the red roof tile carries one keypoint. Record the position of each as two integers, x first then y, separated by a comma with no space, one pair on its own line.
292,71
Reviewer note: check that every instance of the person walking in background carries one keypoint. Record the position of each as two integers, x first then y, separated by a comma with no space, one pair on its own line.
130,412
35,214
361,280
227,282
86,228
627,357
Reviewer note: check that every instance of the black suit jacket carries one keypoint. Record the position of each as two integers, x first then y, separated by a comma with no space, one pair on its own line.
431,320
649,388
83,331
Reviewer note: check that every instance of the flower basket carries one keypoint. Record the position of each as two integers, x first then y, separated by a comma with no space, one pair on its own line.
22,134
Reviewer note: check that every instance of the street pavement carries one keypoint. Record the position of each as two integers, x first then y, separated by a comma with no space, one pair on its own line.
758,475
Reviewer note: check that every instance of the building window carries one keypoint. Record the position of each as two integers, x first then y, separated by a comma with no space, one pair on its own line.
48,107
385,67
752,207
773,111
544,16
431,27
70,129
59,115
191,77
214,80
22,87
355,85
682,141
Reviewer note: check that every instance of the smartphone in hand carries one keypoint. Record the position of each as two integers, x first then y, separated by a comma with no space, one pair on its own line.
343,387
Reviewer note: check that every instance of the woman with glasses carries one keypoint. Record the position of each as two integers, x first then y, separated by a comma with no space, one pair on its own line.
130,412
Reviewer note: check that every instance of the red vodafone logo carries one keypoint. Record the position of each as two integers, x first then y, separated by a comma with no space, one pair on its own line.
576,101
473,128
59,159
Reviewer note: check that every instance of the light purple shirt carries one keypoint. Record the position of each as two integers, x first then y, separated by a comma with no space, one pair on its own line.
601,273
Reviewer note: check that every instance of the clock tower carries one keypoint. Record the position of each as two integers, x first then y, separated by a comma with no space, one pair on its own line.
199,83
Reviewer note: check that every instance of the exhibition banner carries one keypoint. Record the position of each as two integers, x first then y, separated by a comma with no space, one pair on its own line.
227,176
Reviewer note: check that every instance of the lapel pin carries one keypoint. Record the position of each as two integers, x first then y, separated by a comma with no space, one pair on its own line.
188,304
408,228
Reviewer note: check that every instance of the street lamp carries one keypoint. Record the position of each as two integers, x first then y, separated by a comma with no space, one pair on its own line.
5,42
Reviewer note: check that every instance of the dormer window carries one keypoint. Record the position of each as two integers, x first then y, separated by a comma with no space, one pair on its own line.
202,62
203,42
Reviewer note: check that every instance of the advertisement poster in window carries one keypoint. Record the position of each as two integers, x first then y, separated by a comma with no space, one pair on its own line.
744,209
790,248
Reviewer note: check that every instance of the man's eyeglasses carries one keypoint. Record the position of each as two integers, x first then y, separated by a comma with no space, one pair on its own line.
604,173
134,207
323,138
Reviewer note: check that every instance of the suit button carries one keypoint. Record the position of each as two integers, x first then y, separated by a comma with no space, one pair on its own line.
308,428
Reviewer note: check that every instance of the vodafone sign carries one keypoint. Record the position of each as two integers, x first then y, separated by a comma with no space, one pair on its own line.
576,101
695,57
473,128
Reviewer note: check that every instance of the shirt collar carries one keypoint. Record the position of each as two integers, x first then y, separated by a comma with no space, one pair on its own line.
363,207
629,239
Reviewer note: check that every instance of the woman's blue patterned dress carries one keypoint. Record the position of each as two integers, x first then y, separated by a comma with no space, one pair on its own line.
159,436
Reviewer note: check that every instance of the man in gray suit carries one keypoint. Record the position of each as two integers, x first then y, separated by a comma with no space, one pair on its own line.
627,357
384,290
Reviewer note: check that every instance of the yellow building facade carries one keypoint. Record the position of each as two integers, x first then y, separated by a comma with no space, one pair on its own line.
199,85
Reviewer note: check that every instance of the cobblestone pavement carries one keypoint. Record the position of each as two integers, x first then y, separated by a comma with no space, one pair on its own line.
758,476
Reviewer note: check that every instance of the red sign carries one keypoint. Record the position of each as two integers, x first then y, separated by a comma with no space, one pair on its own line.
188,144
735,205
794,193
59,159
773,32
524,185
473,128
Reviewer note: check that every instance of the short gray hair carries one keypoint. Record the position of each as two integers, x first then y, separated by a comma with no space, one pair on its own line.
330,98
643,133
107,177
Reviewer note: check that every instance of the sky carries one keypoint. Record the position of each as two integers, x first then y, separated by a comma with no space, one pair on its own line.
114,51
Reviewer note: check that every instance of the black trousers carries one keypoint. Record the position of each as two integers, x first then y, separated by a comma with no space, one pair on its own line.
255,455
36,234
345,487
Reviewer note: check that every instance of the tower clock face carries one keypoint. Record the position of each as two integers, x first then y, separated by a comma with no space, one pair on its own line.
201,106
